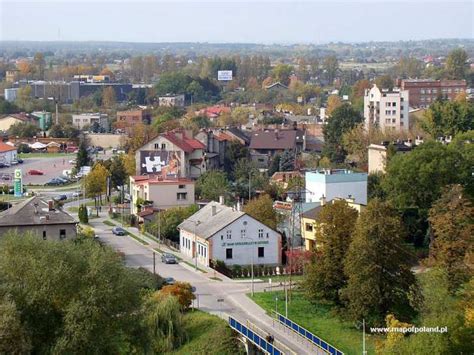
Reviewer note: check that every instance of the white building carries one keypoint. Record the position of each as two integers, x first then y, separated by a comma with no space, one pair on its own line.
8,154
88,119
11,94
336,183
171,100
219,232
385,109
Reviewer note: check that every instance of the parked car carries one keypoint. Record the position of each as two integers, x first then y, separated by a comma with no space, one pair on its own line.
2,165
72,161
119,231
54,182
169,258
169,281
65,180
35,172
76,194
20,161
60,198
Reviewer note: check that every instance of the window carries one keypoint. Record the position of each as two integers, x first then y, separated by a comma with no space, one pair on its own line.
163,146
222,237
434,91
181,196
44,235
401,115
422,91
308,227
242,233
394,104
428,91
394,112
268,235
62,233
387,104
181,186
229,234
228,253
260,233
261,252
157,146
449,91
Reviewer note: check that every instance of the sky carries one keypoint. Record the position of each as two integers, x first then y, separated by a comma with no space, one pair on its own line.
261,21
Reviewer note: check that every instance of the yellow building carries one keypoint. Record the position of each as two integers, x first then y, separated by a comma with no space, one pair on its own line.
309,224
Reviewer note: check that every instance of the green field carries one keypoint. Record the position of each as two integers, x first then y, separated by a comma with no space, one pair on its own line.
45,155
318,319
208,334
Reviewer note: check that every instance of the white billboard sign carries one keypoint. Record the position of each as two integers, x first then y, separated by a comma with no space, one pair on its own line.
224,75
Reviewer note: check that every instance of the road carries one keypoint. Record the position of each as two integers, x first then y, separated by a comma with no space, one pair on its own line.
232,296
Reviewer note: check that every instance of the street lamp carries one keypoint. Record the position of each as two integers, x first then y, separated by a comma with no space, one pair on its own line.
196,223
251,265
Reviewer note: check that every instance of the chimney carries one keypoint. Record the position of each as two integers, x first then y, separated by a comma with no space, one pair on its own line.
47,217
50,205
213,210
323,200
276,134
36,208
239,207
221,200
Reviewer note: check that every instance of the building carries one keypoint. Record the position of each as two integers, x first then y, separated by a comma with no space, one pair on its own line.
11,94
8,154
161,193
9,120
219,232
276,87
43,119
309,223
333,183
172,154
171,100
127,119
282,178
265,144
378,154
90,119
425,91
93,78
12,75
40,218
387,110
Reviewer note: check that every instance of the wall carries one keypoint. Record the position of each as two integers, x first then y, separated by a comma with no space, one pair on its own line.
377,160
107,140
7,122
52,230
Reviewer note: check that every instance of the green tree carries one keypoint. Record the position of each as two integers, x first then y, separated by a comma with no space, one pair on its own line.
378,276
262,210
7,107
234,151
384,82
330,67
281,73
287,161
13,336
211,185
456,64
408,67
23,130
343,119
83,158
324,277
165,223
274,165
448,118
118,173
452,221
83,215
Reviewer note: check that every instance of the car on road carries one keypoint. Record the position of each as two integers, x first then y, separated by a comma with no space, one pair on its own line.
72,161
169,281
60,198
20,161
169,258
54,182
76,194
65,180
119,231
35,172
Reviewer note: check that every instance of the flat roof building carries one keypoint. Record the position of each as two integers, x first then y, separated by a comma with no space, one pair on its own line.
425,91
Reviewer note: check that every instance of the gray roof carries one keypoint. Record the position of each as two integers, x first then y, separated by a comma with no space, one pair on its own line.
24,214
208,224
313,213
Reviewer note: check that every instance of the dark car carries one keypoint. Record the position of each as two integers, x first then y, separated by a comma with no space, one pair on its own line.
119,231
54,182
169,281
169,259
20,161
60,198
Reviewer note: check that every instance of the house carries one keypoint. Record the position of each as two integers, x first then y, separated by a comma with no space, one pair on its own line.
213,112
43,118
9,120
101,120
276,87
265,144
8,154
161,193
386,109
309,218
126,119
281,178
378,154
172,154
171,100
40,218
219,232
425,91
333,183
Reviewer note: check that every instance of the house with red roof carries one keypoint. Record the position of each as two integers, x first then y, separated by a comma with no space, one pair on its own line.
213,112
176,152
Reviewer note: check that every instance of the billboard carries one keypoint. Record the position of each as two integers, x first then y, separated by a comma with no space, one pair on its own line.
164,163
224,75
18,183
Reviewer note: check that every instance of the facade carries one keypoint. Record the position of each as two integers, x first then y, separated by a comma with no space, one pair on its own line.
40,218
43,118
162,193
12,75
424,91
282,178
219,232
89,119
378,154
336,183
387,110
309,225
171,100
11,94
9,120
8,154
126,119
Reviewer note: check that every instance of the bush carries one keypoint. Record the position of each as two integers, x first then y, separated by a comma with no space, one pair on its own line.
24,148
83,215
182,291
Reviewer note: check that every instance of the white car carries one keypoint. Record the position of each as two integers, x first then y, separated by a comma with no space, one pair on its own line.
72,161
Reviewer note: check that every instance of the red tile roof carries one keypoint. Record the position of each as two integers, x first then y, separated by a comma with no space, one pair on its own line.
186,144
6,148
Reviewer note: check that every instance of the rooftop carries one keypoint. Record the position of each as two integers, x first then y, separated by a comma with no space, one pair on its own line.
186,144
158,180
6,147
284,139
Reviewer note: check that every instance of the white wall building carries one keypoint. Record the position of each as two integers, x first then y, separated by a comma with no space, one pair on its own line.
333,183
219,232
385,109
88,119
8,154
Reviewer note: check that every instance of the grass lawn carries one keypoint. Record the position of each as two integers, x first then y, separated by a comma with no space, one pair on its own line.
109,223
137,238
318,319
208,334
45,155
275,278
8,197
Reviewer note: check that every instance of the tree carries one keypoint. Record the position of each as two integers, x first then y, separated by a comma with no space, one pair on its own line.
234,151
118,173
39,64
83,214
274,165
448,118
334,101
416,179
262,210
325,277
129,163
378,275
7,107
408,67
95,182
330,67
358,89
109,98
165,223
211,185
83,158
281,73
65,293
13,336
23,130
343,119
287,161
456,64
384,82
452,221
182,291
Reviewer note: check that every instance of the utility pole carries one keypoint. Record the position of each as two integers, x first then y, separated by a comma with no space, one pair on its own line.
250,185
154,263
364,352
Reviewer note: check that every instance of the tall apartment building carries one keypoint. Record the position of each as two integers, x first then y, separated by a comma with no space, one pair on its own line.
425,91
386,109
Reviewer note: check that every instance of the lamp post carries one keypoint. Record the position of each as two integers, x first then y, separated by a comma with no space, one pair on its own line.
196,223
251,265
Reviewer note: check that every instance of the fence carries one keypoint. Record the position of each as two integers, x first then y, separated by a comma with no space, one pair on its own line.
308,335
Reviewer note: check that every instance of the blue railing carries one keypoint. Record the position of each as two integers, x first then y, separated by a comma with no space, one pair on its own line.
260,342
308,335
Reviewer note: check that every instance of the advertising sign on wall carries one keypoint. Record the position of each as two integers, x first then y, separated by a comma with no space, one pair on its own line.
162,162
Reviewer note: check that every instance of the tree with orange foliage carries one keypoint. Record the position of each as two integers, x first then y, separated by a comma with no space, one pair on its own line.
182,291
